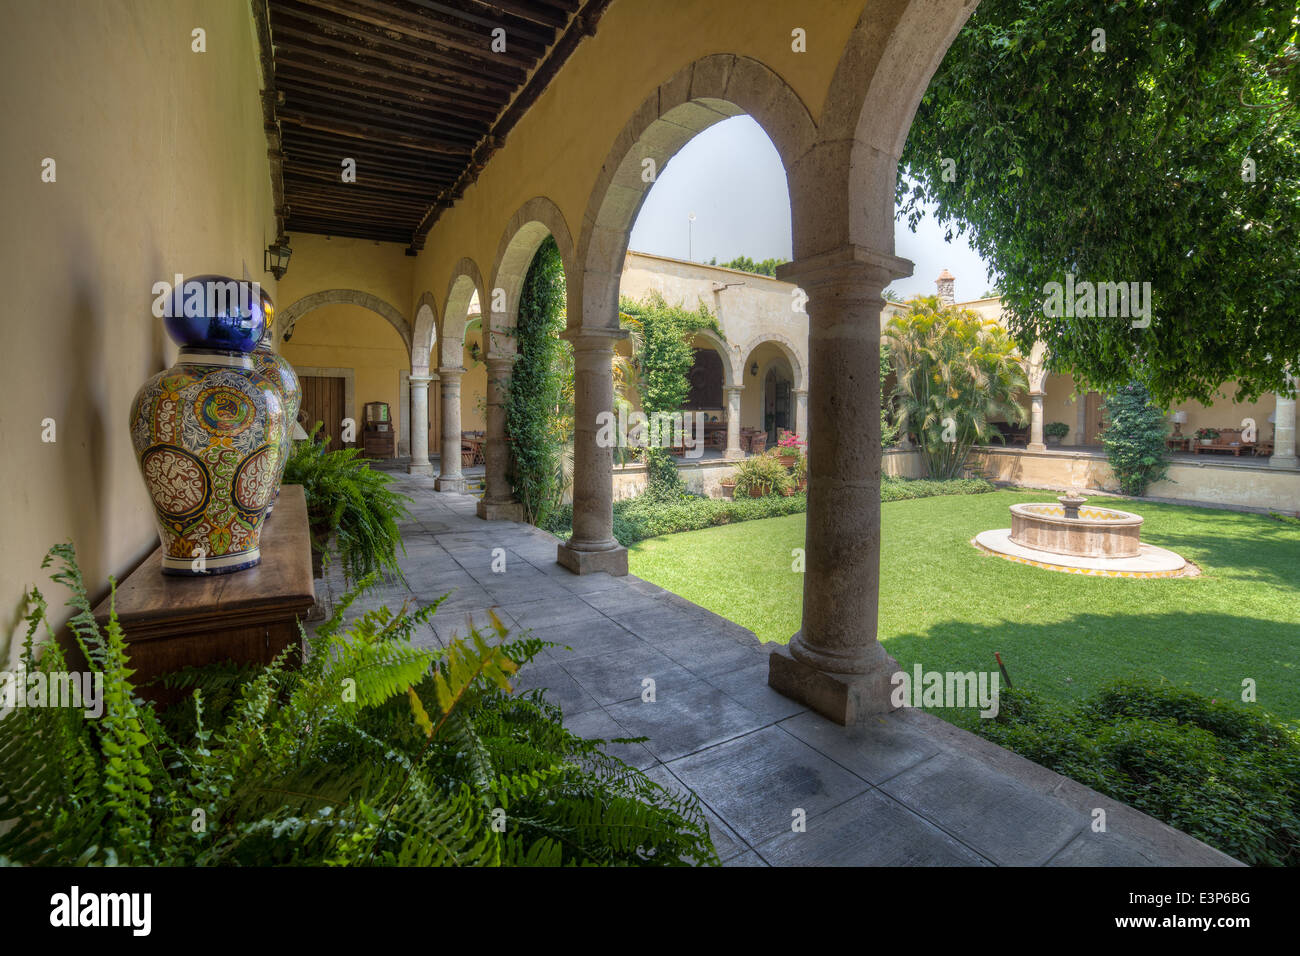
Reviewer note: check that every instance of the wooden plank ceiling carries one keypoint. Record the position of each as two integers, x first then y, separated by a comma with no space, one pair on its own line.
411,90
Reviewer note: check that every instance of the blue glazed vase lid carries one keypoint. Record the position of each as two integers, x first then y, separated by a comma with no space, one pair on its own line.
215,312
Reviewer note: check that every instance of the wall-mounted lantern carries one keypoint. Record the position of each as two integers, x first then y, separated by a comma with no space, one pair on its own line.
276,257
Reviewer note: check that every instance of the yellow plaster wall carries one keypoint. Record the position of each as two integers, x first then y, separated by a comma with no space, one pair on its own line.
751,399
322,262
558,147
349,336
161,168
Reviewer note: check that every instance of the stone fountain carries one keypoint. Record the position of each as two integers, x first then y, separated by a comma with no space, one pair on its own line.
1070,537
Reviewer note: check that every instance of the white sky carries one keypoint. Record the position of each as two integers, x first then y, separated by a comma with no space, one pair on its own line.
731,177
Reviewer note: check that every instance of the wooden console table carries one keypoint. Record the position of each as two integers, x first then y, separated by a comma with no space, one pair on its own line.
247,616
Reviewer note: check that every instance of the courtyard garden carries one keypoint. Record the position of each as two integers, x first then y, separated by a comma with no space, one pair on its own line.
947,606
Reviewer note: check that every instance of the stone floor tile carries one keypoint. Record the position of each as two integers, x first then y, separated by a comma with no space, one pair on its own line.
1000,818
686,719
868,830
756,782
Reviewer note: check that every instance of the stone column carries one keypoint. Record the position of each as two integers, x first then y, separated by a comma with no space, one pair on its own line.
1284,449
834,664
592,546
1081,419
450,477
1036,422
733,422
420,464
498,502
801,413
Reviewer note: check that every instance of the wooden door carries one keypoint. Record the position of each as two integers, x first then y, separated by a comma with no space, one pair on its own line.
1094,420
322,401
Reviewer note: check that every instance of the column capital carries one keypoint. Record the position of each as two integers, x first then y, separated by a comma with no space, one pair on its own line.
500,360
849,262
451,373
731,389
420,381
592,339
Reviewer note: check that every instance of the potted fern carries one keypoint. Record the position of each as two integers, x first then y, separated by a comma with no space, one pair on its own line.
350,508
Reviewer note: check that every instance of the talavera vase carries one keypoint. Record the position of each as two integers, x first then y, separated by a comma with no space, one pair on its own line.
208,432
278,370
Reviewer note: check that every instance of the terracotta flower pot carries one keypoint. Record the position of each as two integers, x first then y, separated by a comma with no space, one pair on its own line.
787,491
728,489
787,461
756,492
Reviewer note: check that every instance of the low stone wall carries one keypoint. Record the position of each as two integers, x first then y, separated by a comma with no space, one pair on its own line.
1245,483
705,477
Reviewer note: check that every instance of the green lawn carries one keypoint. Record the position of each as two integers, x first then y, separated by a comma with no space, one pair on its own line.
948,606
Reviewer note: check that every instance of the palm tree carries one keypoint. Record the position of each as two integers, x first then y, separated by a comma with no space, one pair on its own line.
957,374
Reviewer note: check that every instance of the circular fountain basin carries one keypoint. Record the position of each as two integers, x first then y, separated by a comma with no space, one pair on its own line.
1096,533
1081,540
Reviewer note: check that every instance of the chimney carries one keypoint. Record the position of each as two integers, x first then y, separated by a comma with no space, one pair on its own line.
945,284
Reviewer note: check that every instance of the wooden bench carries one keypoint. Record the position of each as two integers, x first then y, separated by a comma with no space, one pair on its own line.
1229,440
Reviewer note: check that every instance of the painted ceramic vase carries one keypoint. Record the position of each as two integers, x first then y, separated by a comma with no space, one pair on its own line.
280,372
208,435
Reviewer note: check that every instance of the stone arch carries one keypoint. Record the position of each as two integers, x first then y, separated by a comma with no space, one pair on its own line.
706,92
289,317
425,333
527,229
726,352
878,83
466,281
788,349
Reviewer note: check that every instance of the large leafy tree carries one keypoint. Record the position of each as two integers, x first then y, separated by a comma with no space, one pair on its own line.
1165,149
958,374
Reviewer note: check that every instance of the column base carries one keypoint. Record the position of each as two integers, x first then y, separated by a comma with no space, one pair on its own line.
454,484
1283,461
612,561
1035,446
844,698
420,468
500,510
734,454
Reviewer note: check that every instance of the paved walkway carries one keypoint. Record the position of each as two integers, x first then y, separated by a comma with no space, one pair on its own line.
907,789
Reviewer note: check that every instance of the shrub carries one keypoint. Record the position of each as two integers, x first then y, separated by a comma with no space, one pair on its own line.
286,769
350,504
1056,429
1135,440
537,425
647,516
763,473
1224,774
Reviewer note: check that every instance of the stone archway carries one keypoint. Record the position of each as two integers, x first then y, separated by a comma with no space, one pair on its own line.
706,92
289,317
466,282
844,258
422,343
526,231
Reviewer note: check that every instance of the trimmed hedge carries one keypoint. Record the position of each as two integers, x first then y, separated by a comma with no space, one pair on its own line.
1227,775
649,515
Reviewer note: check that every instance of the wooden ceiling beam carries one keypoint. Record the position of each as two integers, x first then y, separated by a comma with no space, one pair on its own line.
389,39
